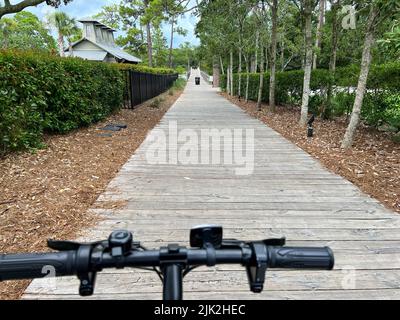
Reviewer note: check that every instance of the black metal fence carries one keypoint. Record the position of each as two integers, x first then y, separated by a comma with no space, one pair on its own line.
144,86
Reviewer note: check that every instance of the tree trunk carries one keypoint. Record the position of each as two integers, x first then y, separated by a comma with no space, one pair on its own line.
149,40
231,72
247,79
7,7
71,49
216,72
61,44
256,53
228,79
261,85
319,31
171,43
326,109
362,81
335,35
149,45
272,83
252,64
222,65
282,55
141,34
240,73
308,61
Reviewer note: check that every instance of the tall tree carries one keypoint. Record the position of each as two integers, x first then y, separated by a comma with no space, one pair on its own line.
6,7
146,4
307,7
173,9
321,21
160,48
274,39
378,11
261,84
65,26
240,12
335,4
25,31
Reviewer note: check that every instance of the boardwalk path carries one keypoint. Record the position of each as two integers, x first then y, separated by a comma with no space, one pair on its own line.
289,194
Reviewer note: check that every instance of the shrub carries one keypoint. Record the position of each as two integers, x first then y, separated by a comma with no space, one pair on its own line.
156,103
381,101
39,92
145,69
392,113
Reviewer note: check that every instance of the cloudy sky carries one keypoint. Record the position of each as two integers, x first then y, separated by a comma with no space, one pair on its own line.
87,8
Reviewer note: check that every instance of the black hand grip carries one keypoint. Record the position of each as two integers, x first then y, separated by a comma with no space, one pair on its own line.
301,258
30,266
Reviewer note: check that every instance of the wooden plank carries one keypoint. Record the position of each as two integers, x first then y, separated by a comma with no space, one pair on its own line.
294,234
387,294
255,223
289,194
213,281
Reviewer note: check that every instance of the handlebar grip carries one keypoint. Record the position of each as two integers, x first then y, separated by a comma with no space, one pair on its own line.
30,266
301,258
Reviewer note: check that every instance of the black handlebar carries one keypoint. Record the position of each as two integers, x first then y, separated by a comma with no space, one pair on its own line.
174,262
31,266
302,258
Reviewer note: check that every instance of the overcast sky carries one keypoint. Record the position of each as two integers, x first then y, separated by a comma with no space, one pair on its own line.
86,8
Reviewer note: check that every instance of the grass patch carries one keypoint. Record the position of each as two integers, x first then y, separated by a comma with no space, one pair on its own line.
179,84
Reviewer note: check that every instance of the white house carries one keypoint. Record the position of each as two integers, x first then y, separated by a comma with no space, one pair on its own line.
98,44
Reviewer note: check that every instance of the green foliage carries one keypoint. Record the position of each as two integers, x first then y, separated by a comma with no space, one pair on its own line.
179,84
156,103
145,69
25,31
65,26
381,103
39,93
392,113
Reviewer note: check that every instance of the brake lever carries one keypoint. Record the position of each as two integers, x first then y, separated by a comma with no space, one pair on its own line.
71,245
119,244
257,268
275,242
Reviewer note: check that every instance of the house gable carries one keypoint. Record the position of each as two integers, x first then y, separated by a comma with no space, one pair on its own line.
98,44
86,45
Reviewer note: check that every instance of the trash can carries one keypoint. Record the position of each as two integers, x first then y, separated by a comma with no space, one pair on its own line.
197,79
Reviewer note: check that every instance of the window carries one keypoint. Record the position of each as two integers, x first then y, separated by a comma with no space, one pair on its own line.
88,31
99,36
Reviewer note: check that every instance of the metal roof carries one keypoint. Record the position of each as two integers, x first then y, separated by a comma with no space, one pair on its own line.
118,53
84,20
90,54
113,50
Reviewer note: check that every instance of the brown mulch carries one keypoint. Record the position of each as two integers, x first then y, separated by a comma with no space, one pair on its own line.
47,194
372,164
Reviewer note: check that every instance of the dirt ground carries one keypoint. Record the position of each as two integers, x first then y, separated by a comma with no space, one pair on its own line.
373,164
46,194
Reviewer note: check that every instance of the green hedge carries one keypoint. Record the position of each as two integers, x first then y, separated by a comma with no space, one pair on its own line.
145,69
41,93
381,102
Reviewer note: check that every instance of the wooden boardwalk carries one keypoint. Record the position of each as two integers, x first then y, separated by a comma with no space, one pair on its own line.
289,194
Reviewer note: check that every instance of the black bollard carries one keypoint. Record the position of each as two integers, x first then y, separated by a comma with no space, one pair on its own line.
310,129
310,132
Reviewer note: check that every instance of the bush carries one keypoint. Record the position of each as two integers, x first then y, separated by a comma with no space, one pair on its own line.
156,103
39,93
381,102
392,113
145,69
